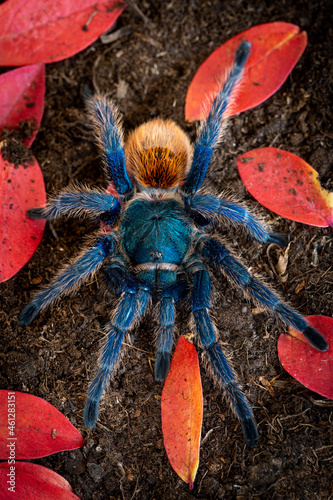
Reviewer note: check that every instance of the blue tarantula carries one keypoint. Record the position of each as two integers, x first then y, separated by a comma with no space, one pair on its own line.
158,244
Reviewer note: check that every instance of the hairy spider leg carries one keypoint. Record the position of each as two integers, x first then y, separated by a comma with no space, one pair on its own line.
71,277
131,306
109,134
210,130
201,304
166,327
200,205
218,255
78,202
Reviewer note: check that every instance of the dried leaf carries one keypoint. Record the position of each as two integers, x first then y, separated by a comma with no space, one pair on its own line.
34,31
37,428
287,185
182,407
310,367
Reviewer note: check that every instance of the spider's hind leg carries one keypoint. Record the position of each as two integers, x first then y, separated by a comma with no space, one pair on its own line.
130,307
219,256
205,328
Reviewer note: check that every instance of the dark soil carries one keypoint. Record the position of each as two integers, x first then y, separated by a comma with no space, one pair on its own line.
147,71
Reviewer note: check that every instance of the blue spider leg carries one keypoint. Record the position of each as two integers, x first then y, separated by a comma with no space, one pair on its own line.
218,255
210,206
200,306
79,202
106,121
69,278
165,333
210,130
130,307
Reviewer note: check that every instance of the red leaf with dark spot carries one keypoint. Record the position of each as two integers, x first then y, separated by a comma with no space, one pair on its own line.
21,188
38,429
310,367
34,31
32,482
287,185
276,48
182,407
22,100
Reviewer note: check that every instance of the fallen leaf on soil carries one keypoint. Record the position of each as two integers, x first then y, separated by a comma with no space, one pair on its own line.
21,188
287,185
42,473
275,50
22,100
34,31
37,428
182,407
32,484
310,367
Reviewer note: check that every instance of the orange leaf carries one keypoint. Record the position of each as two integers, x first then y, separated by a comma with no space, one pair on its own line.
182,407
287,185
276,48
310,367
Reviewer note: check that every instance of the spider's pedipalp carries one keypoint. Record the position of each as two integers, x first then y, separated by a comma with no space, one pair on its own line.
206,332
70,277
218,255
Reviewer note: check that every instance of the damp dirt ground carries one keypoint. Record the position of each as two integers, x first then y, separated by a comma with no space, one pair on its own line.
147,70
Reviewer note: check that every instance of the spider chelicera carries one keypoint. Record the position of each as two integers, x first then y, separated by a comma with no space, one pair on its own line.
159,243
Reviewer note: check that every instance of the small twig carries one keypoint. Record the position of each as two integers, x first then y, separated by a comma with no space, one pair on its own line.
133,6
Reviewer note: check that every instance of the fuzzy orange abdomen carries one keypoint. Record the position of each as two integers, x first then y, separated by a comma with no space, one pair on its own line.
158,154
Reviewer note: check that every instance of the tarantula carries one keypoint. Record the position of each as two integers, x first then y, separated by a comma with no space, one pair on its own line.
158,243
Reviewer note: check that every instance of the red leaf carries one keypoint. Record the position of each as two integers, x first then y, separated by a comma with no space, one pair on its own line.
287,185
39,428
310,367
182,407
31,483
40,472
21,188
276,48
22,99
35,31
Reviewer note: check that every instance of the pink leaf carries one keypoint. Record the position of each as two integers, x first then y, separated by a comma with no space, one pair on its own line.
21,188
287,185
22,99
34,31
33,427
310,367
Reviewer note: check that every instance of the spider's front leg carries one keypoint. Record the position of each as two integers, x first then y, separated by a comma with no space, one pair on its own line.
132,304
70,277
109,134
219,256
211,129
209,207
200,306
78,202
